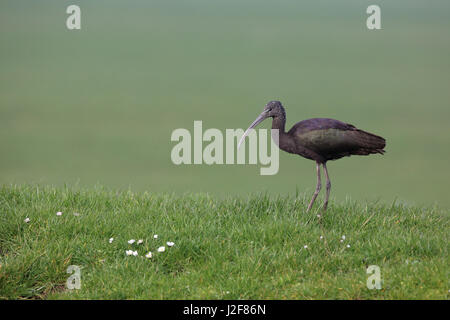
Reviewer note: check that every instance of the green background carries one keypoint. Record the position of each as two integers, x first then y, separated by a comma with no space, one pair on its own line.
99,105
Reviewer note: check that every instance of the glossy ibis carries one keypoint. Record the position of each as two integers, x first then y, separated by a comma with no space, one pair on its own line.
319,139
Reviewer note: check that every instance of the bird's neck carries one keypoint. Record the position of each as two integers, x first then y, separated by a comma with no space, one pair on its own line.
285,141
279,122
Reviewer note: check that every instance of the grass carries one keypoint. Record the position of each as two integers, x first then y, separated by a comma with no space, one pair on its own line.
234,248
99,105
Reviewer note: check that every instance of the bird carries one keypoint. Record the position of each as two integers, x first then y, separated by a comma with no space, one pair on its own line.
319,139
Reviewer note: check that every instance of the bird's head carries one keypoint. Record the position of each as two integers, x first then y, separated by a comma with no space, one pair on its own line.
271,110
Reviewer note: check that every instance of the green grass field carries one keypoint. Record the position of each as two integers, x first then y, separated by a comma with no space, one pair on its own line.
97,106
236,248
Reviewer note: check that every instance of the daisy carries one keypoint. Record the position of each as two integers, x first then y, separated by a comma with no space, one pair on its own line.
155,236
59,213
161,249
305,246
148,255
134,253
131,241
140,241
170,244
27,220
129,252
111,240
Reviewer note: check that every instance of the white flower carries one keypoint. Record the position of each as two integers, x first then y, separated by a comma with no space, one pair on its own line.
343,237
305,246
148,255
348,246
135,253
318,216
161,249
111,240
155,236
321,237
27,220
129,252
170,244
59,213
140,241
131,241
341,240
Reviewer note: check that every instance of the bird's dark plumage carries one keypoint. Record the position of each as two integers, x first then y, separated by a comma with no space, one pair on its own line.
319,139
332,139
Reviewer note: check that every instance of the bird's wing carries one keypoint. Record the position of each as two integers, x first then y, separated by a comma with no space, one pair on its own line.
334,139
320,124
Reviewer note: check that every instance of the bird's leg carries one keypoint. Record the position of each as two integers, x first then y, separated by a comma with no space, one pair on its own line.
325,204
318,187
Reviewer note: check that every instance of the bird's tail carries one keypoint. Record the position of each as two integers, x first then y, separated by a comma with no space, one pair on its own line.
369,142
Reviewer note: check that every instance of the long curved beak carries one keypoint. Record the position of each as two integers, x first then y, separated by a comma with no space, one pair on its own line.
258,120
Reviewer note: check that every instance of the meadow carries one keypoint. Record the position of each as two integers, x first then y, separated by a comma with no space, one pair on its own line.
99,105
86,118
254,247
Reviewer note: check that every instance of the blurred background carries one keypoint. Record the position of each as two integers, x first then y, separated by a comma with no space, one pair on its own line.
98,105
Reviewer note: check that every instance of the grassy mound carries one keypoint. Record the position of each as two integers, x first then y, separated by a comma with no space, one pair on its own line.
237,248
